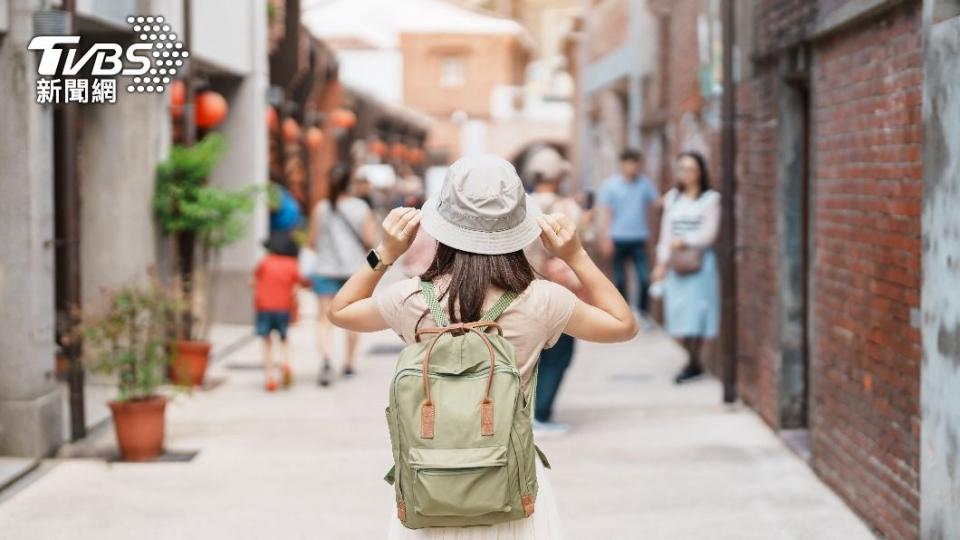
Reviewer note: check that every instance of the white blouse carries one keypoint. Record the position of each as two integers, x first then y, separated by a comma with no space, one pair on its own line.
695,221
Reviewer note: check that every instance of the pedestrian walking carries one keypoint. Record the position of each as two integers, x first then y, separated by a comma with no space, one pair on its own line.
626,203
275,282
545,170
686,262
482,221
342,228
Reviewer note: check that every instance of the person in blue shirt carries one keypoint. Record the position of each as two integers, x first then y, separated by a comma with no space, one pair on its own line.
626,203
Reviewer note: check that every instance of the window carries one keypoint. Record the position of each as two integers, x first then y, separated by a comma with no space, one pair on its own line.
452,72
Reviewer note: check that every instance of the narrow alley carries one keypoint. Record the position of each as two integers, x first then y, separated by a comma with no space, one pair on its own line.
645,459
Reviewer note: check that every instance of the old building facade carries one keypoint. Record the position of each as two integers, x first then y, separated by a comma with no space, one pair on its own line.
843,334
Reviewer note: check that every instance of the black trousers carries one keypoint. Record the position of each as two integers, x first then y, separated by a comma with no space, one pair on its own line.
553,364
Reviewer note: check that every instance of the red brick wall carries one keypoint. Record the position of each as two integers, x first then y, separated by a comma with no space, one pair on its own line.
865,221
868,125
757,237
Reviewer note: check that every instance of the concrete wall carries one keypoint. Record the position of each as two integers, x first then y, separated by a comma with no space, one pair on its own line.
119,148
940,374
245,163
29,399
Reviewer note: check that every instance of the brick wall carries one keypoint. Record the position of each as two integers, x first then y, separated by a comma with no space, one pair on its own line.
488,61
756,171
865,421
865,268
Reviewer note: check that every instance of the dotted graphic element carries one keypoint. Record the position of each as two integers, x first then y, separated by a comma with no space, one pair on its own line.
165,57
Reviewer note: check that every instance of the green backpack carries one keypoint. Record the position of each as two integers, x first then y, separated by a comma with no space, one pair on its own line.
460,428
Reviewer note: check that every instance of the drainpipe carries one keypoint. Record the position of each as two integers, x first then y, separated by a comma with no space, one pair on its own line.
68,193
189,128
728,259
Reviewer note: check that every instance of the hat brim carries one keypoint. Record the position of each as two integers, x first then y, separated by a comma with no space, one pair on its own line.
481,242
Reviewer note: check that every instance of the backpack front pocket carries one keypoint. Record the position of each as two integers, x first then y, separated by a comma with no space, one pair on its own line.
460,481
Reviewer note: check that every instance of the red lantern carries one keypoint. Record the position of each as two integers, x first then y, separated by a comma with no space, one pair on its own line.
211,109
272,119
178,95
291,130
378,148
416,156
398,151
314,138
343,118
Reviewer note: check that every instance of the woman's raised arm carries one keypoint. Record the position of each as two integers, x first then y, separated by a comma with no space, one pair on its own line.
353,308
606,317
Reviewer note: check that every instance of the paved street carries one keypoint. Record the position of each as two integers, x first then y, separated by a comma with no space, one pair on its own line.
644,460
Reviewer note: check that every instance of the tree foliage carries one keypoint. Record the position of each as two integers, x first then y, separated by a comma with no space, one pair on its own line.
183,202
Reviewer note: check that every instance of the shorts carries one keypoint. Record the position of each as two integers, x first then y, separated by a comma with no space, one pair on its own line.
268,321
326,286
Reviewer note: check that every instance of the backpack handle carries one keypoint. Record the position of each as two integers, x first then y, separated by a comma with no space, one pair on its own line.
427,410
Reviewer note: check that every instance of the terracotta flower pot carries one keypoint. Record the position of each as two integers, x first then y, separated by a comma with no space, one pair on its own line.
189,363
140,427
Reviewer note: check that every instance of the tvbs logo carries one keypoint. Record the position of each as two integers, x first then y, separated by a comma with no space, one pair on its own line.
151,63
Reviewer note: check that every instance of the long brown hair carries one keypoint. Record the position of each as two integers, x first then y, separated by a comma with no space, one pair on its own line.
471,275
340,175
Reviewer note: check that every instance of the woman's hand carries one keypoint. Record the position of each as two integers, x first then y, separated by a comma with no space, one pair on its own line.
659,272
560,236
399,229
677,244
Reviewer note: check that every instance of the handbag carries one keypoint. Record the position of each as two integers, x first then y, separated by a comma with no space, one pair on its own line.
686,260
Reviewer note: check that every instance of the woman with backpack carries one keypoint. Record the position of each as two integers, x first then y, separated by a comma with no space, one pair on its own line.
479,283
342,227
686,263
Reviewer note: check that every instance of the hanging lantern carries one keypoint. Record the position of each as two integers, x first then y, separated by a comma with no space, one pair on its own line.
291,130
272,119
343,118
314,138
211,109
378,148
178,96
398,151
416,156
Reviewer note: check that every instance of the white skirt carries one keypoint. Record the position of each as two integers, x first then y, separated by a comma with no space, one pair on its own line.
544,524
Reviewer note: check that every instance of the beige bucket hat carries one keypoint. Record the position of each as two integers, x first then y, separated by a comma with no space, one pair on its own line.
482,208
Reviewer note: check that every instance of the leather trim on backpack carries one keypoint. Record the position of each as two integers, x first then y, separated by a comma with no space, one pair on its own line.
428,416
486,418
401,510
528,506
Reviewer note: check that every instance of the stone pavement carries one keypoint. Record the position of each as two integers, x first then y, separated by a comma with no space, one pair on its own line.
644,460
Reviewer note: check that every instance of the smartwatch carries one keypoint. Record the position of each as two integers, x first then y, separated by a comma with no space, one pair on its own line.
376,262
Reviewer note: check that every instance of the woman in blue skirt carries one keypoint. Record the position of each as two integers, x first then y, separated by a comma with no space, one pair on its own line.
686,262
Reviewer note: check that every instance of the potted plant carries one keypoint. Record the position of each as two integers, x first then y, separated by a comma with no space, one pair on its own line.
129,342
200,219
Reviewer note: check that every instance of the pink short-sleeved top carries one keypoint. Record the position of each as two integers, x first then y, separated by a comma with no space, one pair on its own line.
532,322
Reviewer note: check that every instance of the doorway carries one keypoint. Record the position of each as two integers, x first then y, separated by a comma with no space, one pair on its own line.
795,246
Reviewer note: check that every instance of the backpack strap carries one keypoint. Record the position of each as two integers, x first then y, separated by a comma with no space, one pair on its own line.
430,296
497,309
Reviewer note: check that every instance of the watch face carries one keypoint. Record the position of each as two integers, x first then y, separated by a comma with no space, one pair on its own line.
372,259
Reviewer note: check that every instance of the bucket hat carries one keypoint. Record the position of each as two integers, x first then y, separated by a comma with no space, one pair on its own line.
281,243
548,164
482,208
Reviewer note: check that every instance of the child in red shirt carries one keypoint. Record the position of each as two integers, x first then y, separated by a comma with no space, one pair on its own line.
275,284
